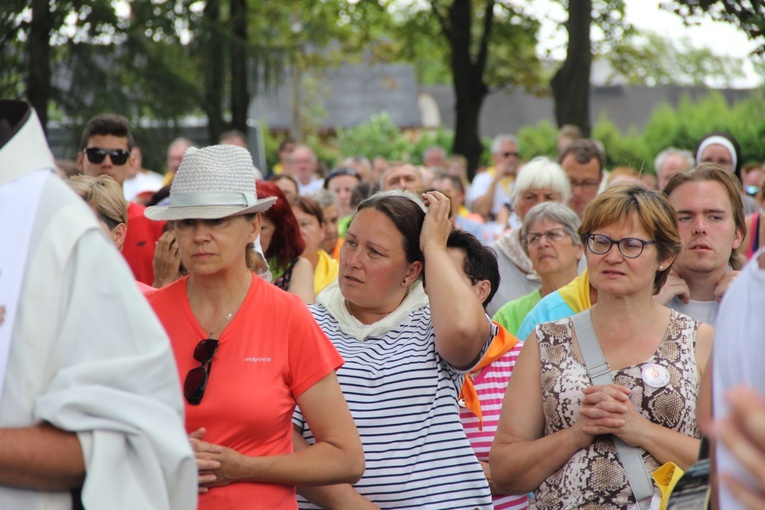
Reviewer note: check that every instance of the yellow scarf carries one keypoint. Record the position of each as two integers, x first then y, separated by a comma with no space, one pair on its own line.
325,272
577,293
503,341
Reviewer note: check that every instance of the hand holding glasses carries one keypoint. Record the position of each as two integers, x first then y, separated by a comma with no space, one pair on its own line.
97,155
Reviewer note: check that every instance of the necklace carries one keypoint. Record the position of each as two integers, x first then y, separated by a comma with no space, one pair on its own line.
227,318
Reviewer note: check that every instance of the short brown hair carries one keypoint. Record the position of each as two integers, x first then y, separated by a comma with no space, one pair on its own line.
732,186
105,125
651,209
584,149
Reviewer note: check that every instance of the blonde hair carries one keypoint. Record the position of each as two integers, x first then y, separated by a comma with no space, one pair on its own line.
650,209
104,195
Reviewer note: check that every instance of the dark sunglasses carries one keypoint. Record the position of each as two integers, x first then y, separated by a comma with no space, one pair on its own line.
96,155
196,380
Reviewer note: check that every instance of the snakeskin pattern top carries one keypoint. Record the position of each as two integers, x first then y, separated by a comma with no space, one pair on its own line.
593,478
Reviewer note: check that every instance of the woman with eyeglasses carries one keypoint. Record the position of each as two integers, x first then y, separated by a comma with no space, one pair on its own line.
549,238
247,352
540,180
557,428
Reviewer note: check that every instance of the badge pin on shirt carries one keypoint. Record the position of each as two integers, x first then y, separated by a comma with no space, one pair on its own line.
655,376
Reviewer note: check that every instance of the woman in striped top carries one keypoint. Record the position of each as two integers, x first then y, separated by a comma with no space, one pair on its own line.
405,359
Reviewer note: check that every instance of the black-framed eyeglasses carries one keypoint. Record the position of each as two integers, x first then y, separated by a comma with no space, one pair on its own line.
552,235
629,246
342,171
507,154
97,155
195,384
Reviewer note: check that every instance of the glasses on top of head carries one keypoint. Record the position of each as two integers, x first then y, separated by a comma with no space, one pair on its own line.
195,384
342,171
629,246
552,235
97,155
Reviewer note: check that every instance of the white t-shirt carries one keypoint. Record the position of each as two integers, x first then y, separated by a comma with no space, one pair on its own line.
702,311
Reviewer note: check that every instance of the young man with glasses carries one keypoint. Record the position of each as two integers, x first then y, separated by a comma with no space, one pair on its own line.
583,162
106,149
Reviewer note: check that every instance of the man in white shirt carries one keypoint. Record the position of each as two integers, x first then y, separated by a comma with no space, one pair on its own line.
491,190
669,162
90,396
710,217
302,167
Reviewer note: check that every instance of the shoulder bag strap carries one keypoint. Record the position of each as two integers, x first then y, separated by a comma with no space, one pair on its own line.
600,374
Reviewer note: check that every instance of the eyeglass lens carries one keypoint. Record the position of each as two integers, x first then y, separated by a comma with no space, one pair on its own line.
629,246
195,384
552,235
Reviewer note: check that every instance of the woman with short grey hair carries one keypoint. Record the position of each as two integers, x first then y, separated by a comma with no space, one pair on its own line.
540,180
549,238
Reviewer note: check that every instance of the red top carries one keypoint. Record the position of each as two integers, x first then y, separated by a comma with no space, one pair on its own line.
140,242
269,354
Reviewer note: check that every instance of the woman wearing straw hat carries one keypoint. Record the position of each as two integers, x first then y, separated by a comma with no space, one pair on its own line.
268,352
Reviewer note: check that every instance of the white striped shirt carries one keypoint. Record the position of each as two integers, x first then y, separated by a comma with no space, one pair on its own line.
403,398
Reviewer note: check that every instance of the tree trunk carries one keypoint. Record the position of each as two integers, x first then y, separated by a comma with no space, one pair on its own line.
469,87
38,80
240,96
571,84
213,71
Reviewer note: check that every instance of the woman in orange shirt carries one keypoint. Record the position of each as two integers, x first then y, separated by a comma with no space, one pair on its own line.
268,352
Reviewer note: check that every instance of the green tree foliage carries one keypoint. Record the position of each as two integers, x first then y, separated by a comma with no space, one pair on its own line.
485,45
652,59
668,126
748,15
381,137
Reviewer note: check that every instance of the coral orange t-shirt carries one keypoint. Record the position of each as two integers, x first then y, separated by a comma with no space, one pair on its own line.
140,241
269,354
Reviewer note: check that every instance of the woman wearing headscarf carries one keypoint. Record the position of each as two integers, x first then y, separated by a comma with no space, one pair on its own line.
266,350
405,358
723,149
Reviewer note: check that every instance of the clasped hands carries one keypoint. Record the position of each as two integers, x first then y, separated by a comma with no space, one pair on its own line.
607,410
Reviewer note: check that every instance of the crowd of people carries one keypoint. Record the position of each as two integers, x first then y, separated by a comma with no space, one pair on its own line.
383,335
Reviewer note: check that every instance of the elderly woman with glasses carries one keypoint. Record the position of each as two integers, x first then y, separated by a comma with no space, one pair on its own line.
549,238
267,352
566,436
540,180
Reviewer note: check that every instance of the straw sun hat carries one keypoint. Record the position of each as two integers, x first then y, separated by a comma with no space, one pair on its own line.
211,183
